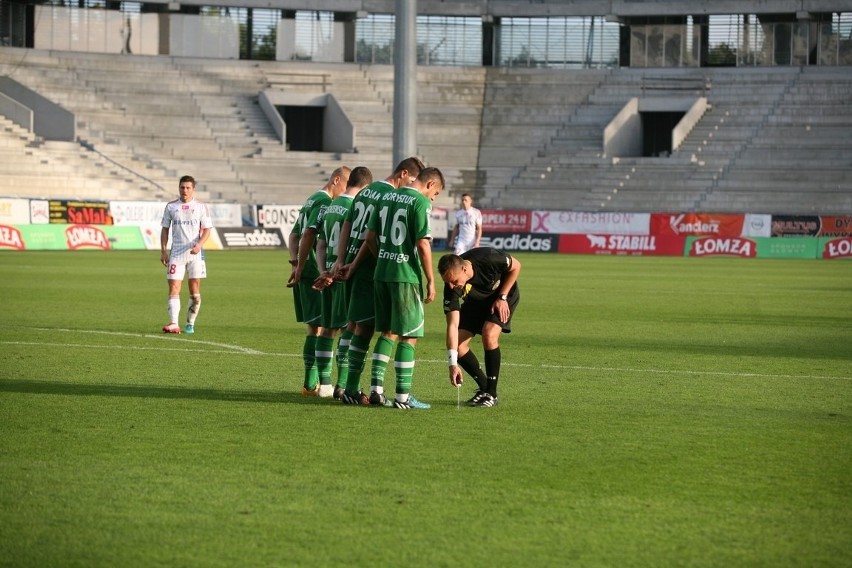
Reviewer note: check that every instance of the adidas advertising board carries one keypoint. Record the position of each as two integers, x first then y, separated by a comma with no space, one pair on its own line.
252,237
521,242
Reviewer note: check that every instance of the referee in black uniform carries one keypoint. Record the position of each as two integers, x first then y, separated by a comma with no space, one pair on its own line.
480,297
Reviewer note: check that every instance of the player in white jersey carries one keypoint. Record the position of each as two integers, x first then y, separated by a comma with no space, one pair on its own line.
467,230
189,222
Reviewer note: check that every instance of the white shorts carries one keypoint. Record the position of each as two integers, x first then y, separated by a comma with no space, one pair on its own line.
195,267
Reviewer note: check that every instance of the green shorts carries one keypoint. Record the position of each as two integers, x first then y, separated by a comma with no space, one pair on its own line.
334,306
361,307
308,303
399,308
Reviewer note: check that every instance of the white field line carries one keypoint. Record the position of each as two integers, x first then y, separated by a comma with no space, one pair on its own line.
229,349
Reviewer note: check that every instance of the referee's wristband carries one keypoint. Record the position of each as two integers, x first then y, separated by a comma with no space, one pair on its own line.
453,357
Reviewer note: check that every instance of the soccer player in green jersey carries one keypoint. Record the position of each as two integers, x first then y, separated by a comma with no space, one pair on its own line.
400,235
307,301
334,301
357,267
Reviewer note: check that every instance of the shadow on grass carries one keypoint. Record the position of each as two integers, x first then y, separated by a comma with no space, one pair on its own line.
24,386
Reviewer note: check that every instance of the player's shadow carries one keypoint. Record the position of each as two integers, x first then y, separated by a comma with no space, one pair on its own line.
25,386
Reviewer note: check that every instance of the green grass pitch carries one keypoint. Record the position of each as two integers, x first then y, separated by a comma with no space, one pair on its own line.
654,412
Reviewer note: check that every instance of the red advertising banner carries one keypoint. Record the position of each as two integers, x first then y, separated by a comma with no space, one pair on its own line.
632,245
722,246
837,248
506,221
835,226
697,224
10,238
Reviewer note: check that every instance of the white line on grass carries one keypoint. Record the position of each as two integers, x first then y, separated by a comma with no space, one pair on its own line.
230,349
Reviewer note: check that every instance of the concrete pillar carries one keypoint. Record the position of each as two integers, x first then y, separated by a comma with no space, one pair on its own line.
405,82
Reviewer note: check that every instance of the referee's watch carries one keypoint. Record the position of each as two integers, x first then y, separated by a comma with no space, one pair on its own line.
504,297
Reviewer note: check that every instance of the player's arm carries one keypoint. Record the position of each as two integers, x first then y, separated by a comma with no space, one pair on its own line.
293,246
510,276
451,311
164,243
342,245
324,279
424,249
202,238
306,244
454,234
478,234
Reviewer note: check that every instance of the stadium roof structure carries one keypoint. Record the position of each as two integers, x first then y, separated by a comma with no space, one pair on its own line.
542,8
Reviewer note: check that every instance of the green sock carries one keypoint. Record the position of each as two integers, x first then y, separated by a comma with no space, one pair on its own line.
343,358
324,354
381,357
357,353
309,356
403,364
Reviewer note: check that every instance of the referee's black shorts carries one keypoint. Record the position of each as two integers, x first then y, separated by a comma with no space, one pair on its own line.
474,313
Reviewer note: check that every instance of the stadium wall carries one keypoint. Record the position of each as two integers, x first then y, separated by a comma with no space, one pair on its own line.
37,224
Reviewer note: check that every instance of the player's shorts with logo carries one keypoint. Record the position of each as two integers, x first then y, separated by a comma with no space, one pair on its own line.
186,264
399,308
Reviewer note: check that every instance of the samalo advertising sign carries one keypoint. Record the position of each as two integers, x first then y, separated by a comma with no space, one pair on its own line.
697,224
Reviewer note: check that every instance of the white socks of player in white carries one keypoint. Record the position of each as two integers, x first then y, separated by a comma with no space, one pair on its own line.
194,306
174,309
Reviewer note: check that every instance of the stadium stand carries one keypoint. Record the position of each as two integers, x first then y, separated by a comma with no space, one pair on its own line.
773,140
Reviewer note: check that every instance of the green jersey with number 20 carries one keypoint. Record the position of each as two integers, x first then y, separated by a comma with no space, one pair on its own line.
402,219
359,216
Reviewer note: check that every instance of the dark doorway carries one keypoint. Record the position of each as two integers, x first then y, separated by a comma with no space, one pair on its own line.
304,127
657,130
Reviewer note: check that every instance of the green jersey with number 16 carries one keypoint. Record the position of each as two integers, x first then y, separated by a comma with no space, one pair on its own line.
401,220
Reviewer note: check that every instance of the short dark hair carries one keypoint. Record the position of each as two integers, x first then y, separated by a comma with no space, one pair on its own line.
427,174
449,262
190,179
360,176
412,165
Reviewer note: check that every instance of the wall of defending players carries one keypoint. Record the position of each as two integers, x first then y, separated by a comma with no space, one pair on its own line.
61,224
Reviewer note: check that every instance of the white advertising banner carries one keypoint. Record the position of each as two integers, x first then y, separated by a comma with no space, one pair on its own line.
14,211
757,225
151,212
137,212
280,216
39,211
574,222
